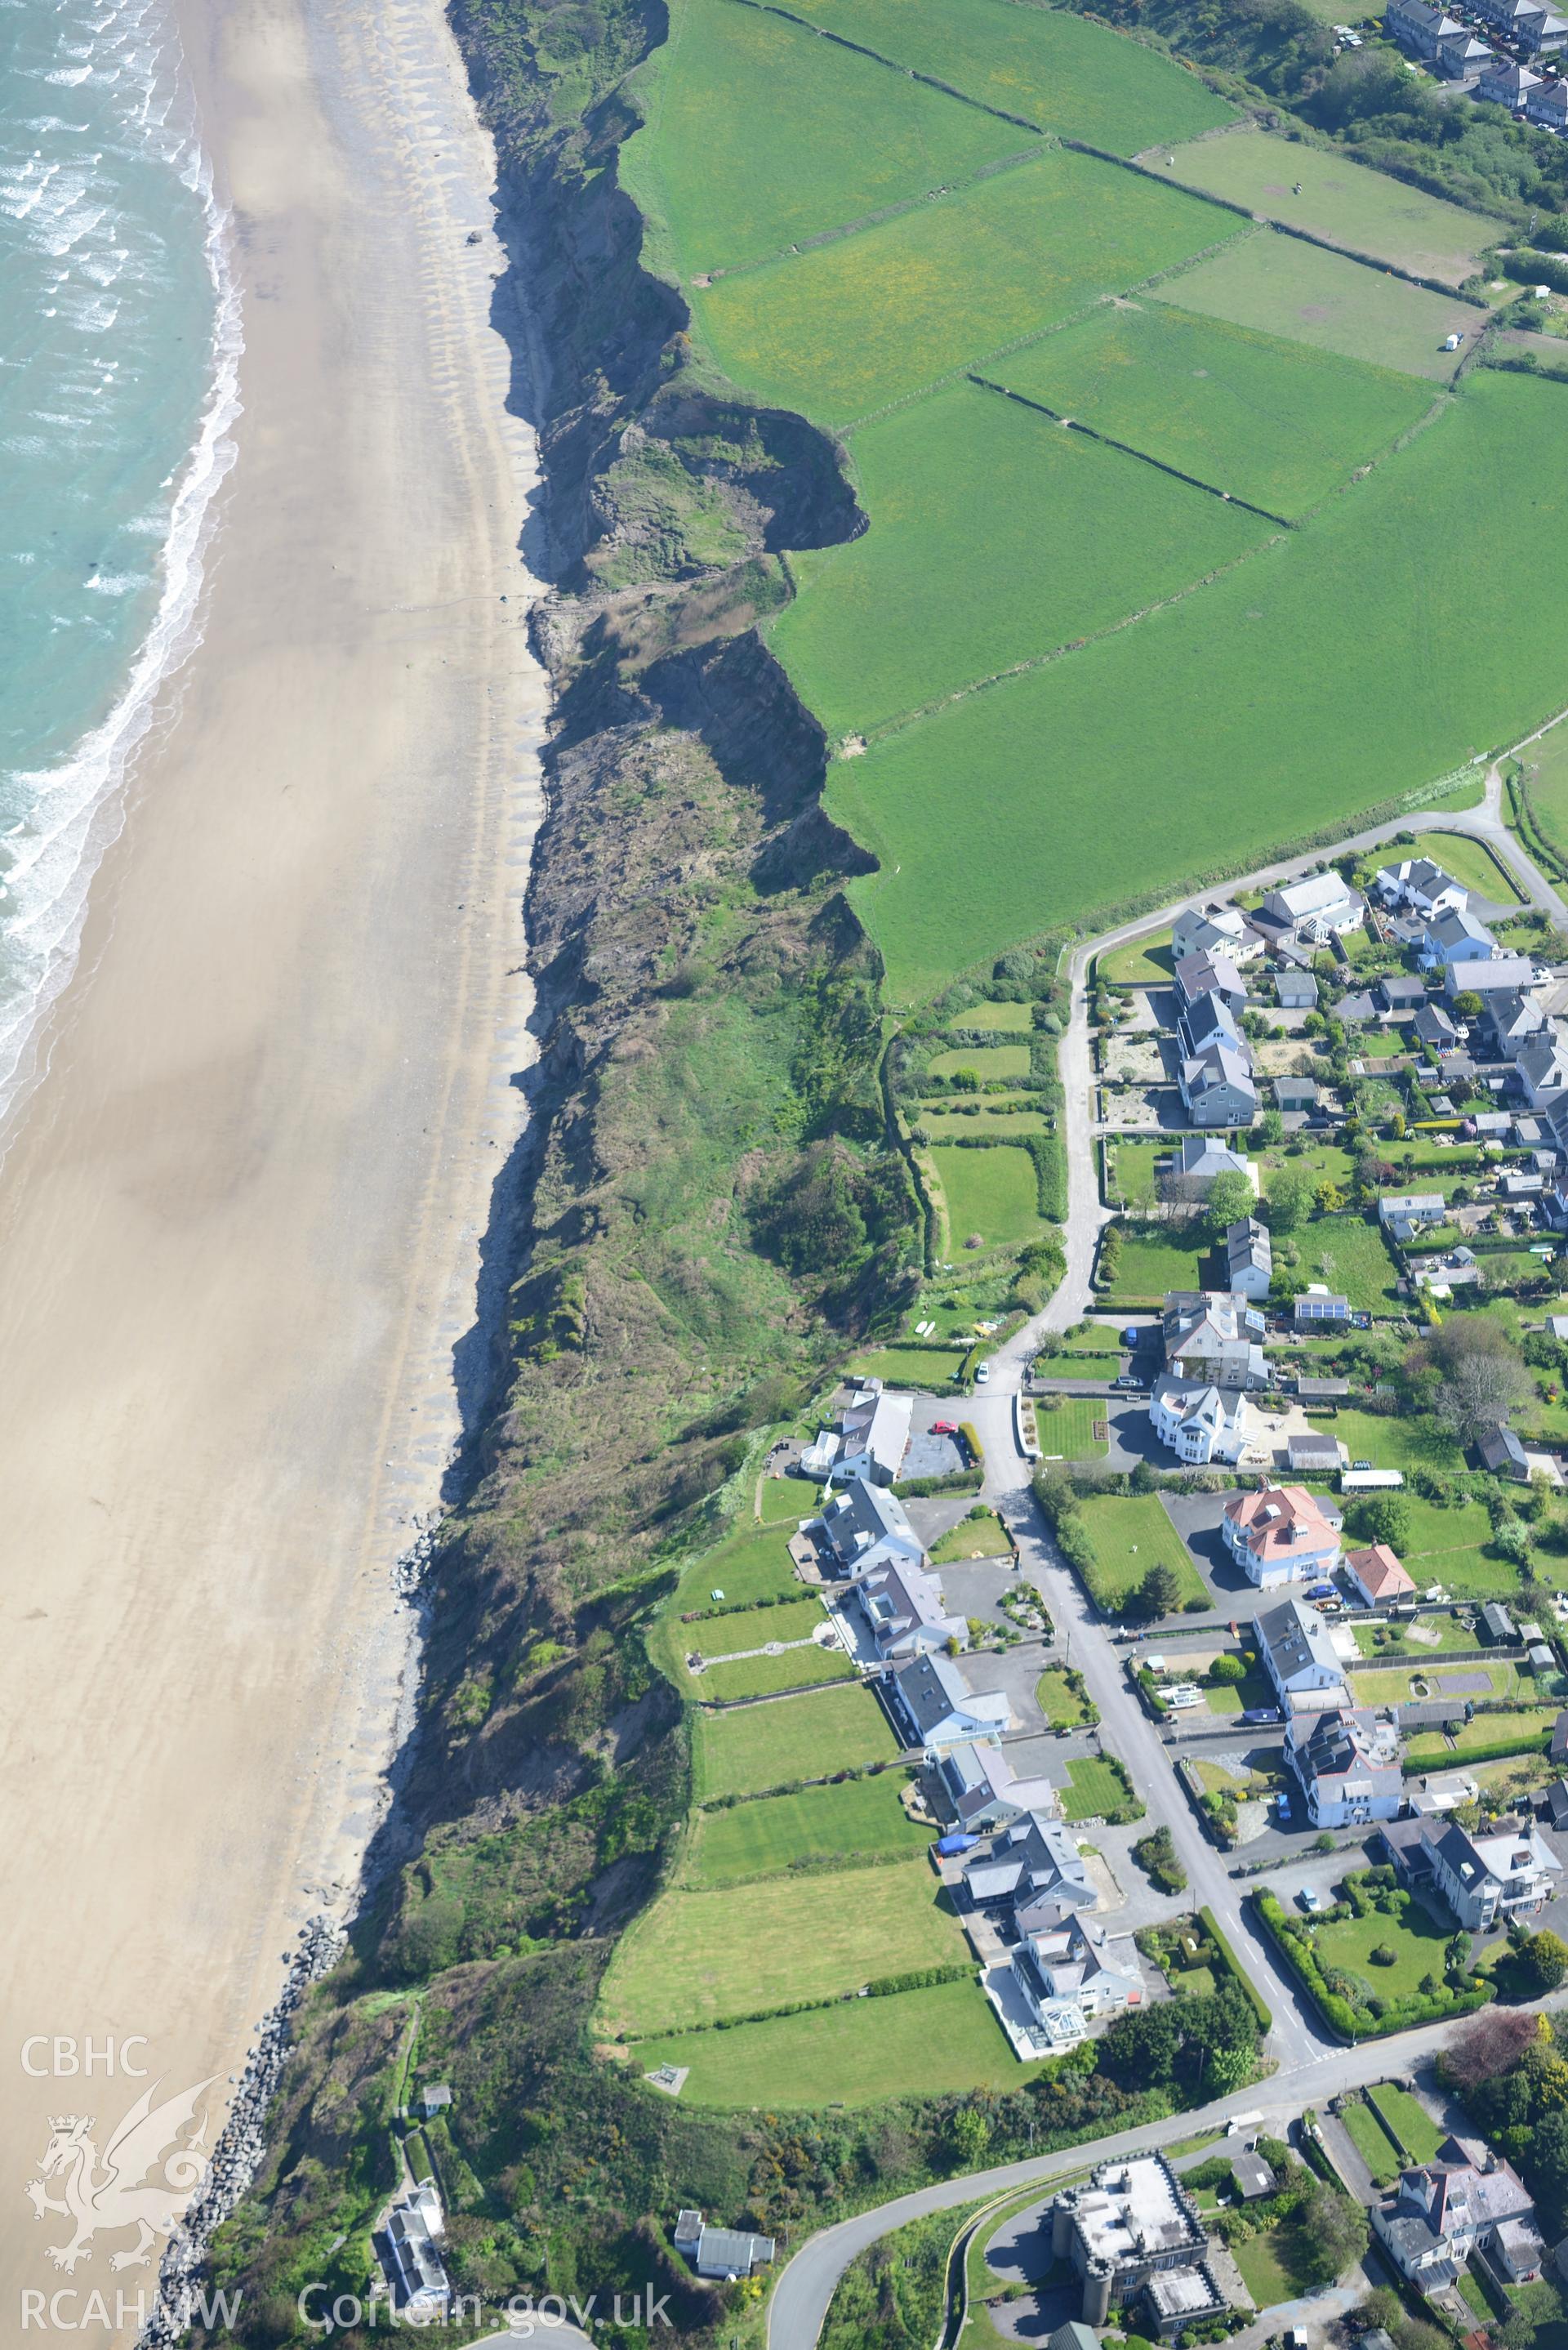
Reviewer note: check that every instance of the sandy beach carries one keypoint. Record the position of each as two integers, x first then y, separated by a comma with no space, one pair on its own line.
239,1218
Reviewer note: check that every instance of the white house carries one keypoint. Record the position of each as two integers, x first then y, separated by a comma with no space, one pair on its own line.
1033,1870
984,1791
1321,907
1486,1880
1077,1960
866,1526
1417,883
1197,1421
1299,1657
1441,2213
934,1710
1216,1087
411,2264
1249,1258
903,1610
1406,1213
728,2253
1214,930
1282,1535
870,1440
1488,975
1543,1067
1348,1765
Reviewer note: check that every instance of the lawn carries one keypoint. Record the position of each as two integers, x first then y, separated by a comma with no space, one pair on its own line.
860,1817
1147,962
1228,682
1131,1181
911,1367
845,329
1078,1363
1052,68
915,2043
1270,2266
752,1565
1526,1724
1413,2126
1095,1787
761,1746
982,1537
1063,1707
1451,1634
787,1499
947,1122
1130,1533
1282,287
974,496
1392,1442
1012,1016
1341,201
1370,2140
1066,1425
1546,772
797,1669
1393,1687
759,135
992,1193
696,1956
1267,420
1149,1267
987,1061
1470,862
1240,1697
1416,1940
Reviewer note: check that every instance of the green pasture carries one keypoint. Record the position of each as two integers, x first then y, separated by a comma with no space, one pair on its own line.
1130,1533
1273,421
1066,1425
993,1192
1311,669
1341,201
996,536
861,1816
849,326
1047,66
763,1676
807,1737
759,135
913,2043
1282,287
985,1060
696,1956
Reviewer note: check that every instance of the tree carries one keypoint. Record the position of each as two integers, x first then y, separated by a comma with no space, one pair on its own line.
1481,1390
1486,2049
1160,1593
1156,1854
1231,1199
1227,1670
1510,1540
1330,1199
1542,1962
1330,2234
1467,1003
1271,1130
972,2136
1289,1199
1381,1518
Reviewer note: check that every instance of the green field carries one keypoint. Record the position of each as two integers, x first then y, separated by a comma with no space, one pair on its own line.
1413,2126
847,328
786,1500
1266,419
1546,772
861,1816
976,498
1130,1534
916,2042
1271,2264
752,1565
797,1669
1049,67
1011,1016
1066,1425
1391,1442
928,1366
1165,715
1284,287
761,1746
697,1956
944,1122
993,1192
985,1060
1341,201
1147,962
756,136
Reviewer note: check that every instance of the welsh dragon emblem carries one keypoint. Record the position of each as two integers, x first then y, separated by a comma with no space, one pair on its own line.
144,2179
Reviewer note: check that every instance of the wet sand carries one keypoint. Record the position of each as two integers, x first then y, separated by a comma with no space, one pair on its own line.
239,1219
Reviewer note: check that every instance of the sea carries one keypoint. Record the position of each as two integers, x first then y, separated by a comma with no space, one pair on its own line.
119,345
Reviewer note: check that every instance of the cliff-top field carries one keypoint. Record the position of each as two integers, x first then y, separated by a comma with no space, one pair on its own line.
1079,676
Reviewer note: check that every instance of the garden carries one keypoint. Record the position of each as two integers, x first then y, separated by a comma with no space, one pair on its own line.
759,1747
1375,1962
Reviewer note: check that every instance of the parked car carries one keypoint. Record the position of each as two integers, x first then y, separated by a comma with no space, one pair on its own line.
1311,1901
944,1428
982,1373
1359,1465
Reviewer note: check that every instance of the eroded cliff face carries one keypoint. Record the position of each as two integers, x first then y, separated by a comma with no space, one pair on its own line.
707,1209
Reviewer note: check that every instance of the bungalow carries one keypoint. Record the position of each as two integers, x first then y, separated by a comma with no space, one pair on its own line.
1485,1879
1318,1310
1249,1258
1403,1214
1214,1338
1509,84
932,1708
903,1611
1299,1657
1033,1868
865,1527
1214,930
410,2263
1217,1087
1297,991
1378,1576
1197,1160
1440,2214
1282,1535
1499,974
1348,1765
1455,936
985,1792
1198,1422
1206,973
1417,882
1321,907
727,2252
1434,1028
1400,993
1297,1093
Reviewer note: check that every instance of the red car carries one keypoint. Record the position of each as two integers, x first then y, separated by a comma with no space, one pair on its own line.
943,1428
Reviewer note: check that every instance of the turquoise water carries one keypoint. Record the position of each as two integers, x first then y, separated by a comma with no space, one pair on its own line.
119,342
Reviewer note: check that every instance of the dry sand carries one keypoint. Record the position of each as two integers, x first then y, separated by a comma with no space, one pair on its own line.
239,1220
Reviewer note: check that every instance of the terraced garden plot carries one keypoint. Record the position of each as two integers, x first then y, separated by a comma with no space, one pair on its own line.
997,537
985,1060
1130,1534
862,1817
1047,65
759,135
1341,202
914,2043
986,817
1282,287
809,1737
1262,418
848,327
695,1957
993,1192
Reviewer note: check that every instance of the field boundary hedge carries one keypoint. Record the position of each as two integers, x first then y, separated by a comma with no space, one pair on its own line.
1126,449
882,1987
1498,1752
